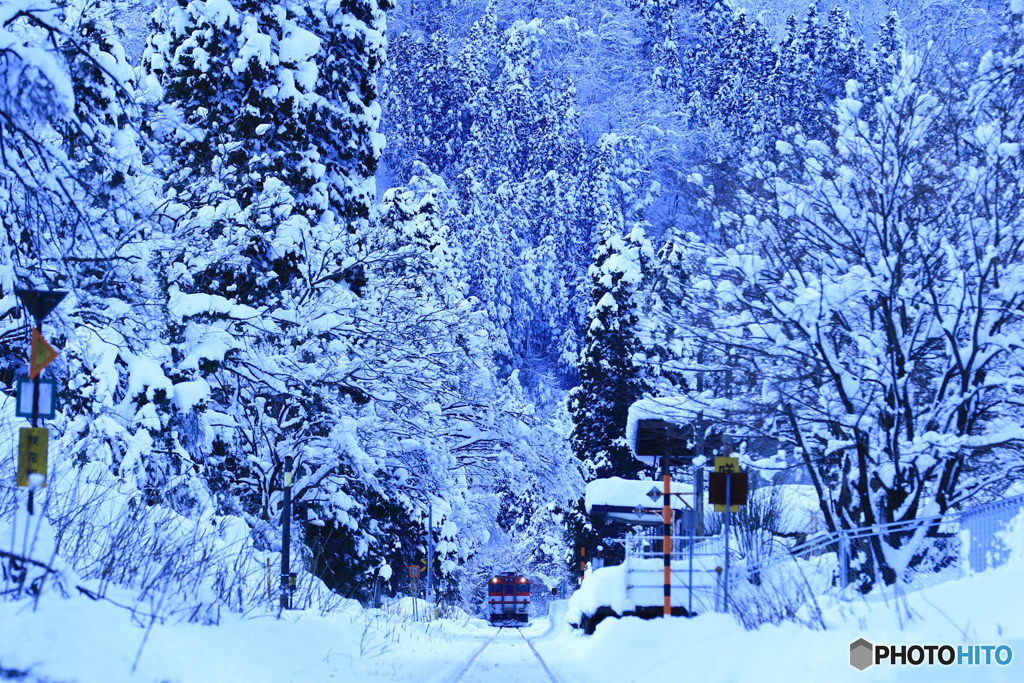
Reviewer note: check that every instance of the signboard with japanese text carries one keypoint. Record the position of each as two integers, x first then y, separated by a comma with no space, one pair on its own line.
32,450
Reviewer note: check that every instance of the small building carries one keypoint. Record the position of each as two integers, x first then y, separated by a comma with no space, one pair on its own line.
637,503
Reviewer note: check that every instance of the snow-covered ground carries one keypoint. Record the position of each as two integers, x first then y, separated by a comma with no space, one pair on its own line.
81,640
78,639
983,609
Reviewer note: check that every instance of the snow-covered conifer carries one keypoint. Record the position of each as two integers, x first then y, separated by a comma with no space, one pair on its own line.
612,376
270,130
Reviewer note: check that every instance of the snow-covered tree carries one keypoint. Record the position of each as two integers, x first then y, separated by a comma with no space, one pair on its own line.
70,193
78,203
269,122
870,305
611,375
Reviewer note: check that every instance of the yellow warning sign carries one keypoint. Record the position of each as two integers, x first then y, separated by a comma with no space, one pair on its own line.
32,450
41,355
723,464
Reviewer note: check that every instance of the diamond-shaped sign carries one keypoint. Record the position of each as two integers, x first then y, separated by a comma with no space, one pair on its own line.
41,355
39,303
639,511
654,494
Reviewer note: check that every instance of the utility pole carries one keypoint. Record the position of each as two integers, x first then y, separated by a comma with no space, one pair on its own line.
287,578
698,478
430,551
698,501
728,513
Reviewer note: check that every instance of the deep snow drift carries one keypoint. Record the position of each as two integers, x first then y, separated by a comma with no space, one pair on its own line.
81,640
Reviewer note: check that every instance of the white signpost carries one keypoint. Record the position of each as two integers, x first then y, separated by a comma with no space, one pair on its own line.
47,398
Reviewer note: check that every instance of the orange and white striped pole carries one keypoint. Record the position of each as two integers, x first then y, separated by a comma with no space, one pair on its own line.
666,524
583,562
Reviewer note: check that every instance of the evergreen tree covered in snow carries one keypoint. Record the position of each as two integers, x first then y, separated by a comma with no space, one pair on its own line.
425,105
611,369
611,378
659,18
271,136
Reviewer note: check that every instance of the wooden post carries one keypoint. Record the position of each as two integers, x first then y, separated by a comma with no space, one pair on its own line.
689,603
430,552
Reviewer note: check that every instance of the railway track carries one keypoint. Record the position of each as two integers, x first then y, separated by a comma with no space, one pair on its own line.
505,660
544,666
462,672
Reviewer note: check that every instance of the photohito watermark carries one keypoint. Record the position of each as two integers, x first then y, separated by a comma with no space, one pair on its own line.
863,654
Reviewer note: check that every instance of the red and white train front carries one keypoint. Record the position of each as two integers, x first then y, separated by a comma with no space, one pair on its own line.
508,598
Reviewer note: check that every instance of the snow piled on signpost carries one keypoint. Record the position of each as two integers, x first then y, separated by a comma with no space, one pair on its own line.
680,410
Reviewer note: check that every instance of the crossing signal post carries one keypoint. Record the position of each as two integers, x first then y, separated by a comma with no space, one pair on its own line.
727,491
33,443
666,531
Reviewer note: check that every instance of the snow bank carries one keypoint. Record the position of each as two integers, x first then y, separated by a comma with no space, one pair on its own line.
557,624
604,587
981,609
79,639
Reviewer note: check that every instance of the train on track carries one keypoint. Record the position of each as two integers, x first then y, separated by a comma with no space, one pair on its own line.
508,599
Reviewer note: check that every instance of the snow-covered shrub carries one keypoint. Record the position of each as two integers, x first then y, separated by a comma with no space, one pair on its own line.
787,590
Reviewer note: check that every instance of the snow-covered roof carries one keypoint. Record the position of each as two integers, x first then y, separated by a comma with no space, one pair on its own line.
629,493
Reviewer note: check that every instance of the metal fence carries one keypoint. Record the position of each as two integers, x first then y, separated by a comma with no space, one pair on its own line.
696,569
983,526
917,554
647,546
772,581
